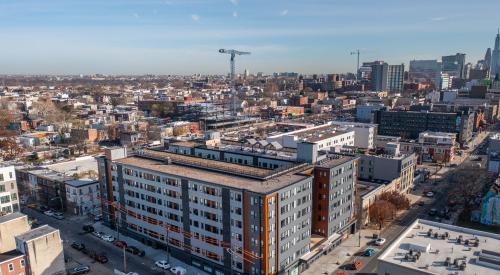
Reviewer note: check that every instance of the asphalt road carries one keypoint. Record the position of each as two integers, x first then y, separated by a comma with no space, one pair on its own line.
71,231
390,233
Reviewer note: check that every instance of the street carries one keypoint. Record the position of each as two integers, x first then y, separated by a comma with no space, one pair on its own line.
439,201
71,231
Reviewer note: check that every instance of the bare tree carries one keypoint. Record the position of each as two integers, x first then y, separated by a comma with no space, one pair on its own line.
380,211
466,186
400,201
9,149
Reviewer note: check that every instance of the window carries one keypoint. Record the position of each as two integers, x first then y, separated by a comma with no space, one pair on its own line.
22,262
11,267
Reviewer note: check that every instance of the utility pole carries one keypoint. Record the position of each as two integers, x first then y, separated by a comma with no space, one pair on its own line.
124,260
357,64
117,223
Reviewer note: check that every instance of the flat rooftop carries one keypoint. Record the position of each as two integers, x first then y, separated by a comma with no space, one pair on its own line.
335,160
36,233
12,216
9,255
80,182
435,251
217,177
79,165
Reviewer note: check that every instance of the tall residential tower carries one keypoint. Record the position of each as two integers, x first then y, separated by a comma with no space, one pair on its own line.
495,57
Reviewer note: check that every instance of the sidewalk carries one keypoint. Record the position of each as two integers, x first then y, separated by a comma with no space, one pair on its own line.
152,255
338,257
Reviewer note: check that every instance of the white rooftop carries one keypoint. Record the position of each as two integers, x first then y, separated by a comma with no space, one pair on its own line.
435,248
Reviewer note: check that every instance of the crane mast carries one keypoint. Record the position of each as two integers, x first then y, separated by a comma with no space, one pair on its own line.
232,64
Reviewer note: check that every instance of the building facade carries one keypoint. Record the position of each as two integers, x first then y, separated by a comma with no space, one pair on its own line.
9,197
379,76
395,78
409,125
83,197
222,217
495,58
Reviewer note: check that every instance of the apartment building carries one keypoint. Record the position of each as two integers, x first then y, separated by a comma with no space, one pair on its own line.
334,186
12,262
43,185
82,196
12,225
223,217
388,168
409,125
9,197
43,250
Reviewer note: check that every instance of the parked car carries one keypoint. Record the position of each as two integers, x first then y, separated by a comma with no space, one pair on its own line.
80,270
136,251
98,234
432,212
58,215
178,270
98,218
421,203
132,273
162,264
369,252
429,194
108,238
49,213
78,246
98,257
121,244
355,265
380,241
88,228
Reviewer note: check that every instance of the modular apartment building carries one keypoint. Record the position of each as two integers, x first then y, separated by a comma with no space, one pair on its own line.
222,217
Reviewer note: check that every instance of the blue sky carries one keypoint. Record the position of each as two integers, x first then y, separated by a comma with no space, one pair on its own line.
183,36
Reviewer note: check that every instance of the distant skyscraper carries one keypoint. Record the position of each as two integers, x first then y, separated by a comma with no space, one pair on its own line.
424,69
487,58
379,76
395,78
454,65
495,57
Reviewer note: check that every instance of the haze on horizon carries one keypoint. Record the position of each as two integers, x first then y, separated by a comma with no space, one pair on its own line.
183,36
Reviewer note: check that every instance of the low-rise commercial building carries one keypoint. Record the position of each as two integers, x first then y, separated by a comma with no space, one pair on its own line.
427,247
432,147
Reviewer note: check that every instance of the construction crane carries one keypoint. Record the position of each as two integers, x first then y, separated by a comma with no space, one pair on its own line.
357,67
233,54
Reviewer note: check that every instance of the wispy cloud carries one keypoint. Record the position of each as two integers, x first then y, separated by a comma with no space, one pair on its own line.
441,18
284,12
195,17
235,2
136,15
235,14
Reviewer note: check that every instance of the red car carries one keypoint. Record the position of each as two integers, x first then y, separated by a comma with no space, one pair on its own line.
101,258
121,244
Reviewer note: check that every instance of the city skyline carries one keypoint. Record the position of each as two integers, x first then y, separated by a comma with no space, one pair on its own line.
183,37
